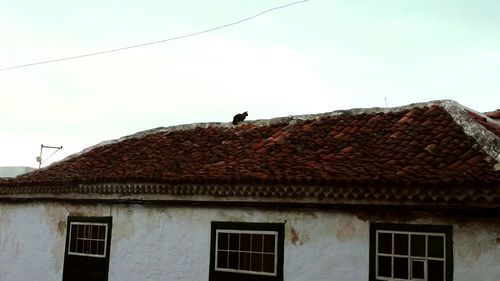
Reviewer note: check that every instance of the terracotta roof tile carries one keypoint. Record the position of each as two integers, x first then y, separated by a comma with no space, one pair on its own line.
494,114
481,119
414,146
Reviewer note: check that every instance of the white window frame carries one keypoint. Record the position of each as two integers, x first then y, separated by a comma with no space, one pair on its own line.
91,224
409,256
229,231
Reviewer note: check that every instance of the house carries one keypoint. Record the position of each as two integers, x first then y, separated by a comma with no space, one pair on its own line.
13,171
406,193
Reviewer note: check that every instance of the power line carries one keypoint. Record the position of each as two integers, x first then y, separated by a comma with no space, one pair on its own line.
154,42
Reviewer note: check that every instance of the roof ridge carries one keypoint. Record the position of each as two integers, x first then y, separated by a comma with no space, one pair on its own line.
489,142
289,118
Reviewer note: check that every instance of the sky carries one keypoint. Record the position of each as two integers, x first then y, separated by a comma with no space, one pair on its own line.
311,57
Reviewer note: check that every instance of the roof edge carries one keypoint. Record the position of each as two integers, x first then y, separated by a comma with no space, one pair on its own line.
489,142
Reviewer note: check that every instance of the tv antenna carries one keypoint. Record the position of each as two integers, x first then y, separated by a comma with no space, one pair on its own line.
39,158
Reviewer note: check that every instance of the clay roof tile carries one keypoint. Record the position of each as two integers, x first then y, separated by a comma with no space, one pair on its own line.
412,145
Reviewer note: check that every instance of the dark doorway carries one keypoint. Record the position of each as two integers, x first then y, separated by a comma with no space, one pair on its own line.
86,256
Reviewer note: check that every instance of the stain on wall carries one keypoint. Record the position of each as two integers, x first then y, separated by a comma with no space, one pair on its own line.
61,227
294,236
478,238
345,228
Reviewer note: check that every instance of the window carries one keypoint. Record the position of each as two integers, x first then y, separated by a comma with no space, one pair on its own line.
87,249
410,252
246,251
87,239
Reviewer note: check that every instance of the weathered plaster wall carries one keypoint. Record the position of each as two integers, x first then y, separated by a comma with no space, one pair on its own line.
32,239
172,243
477,251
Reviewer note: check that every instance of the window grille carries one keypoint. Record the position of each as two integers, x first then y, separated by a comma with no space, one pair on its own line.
246,251
88,239
400,252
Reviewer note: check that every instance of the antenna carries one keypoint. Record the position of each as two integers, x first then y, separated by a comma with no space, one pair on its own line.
39,158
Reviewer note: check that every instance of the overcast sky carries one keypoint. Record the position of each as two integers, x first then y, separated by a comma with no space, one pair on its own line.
312,57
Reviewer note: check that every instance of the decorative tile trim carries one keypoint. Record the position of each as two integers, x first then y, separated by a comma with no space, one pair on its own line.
471,197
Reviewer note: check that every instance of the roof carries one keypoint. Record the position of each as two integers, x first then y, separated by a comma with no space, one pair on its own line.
427,152
493,114
487,121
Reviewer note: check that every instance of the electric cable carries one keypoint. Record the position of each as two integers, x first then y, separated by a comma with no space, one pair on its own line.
153,42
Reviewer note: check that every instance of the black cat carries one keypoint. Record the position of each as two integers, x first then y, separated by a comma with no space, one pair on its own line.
240,117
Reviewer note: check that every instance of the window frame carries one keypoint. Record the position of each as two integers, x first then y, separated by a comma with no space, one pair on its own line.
412,229
277,229
252,232
86,223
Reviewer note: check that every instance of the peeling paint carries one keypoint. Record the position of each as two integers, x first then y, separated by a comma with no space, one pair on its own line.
295,236
298,238
229,216
392,216
61,227
311,214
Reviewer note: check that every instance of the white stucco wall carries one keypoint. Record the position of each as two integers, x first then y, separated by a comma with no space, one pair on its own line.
153,243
